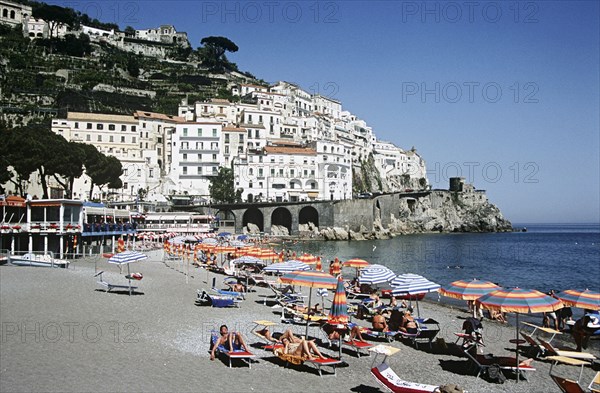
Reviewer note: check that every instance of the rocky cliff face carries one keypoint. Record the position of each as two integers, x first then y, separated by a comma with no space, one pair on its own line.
436,211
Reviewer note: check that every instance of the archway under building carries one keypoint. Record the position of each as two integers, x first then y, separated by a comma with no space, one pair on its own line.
282,217
308,214
253,216
226,220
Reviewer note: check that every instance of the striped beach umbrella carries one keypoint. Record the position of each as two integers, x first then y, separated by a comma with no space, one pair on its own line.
412,284
375,275
286,267
311,279
587,299
338,314
308,259
518,300
125,258
357,263
468,289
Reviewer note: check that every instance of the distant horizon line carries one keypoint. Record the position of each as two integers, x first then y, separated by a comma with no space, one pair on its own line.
557,223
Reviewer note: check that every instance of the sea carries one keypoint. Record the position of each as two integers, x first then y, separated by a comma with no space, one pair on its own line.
544,257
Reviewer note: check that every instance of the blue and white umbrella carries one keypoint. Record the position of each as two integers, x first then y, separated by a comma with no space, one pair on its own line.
125,258
247,259
224,234
375,274
413,284
210,240
286,267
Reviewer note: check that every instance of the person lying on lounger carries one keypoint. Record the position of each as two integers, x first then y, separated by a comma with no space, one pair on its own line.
289,334
379,323
333,332
316,309
301,349
408,324
231,340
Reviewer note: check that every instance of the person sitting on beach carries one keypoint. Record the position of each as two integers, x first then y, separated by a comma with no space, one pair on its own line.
395,320
584,328
497,316
301,349
334,333
379,323
231,340
375,300
409,325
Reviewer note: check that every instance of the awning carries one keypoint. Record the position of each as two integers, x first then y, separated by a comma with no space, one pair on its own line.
313,194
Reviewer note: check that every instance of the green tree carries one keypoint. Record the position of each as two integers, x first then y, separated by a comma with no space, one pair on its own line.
69,166
133,67
55,16
222,187
102,170
213,52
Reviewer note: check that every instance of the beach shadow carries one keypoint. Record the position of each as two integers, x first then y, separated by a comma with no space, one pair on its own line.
122,292
365,389
460,367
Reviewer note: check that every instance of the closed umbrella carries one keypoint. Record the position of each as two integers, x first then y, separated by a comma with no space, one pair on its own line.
587,299
338,313
518,301
125,258
311,279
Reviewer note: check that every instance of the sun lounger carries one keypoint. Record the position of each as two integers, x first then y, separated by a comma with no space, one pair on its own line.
564,383
283,296
388,336
318,363
109,287
505,363
536,348
242,355
234,294
260,325
551,350
553,333
204,299
594,386
354,344
392,382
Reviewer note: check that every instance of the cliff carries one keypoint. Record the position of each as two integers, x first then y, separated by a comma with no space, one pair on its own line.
423,212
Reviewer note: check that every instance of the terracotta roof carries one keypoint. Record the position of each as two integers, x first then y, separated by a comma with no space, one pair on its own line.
290,150
234,129
158,116
101,117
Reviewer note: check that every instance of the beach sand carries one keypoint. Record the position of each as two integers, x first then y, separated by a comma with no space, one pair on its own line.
61,332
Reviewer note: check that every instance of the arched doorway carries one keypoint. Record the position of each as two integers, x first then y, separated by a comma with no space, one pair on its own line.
226,220
253,216
282,217
308,214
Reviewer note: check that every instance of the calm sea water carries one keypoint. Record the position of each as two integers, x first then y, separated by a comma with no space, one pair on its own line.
545,257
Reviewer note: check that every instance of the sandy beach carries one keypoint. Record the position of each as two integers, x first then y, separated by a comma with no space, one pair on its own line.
61,332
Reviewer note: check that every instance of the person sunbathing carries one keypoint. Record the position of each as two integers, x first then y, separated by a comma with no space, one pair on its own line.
227,339
498,316
334,333
379,323
301,349
316,309
409,325
288,334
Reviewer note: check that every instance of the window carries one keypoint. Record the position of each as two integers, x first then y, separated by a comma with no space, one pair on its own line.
89,126
111,127
184,157
144,125
249,119
111,139
214,132
260,119
214,170
99,138
250,185
132,139
122,139
199,170
272,172
241,138
184,170
256,134
199,157
76,125
124,171
88,138
133,128
260,172
199,131
226,149
292,172
99,126
139,173
226,138
151,172
185,131
123,128
214,157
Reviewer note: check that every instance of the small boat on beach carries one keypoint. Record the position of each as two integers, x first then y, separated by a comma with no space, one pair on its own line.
38,260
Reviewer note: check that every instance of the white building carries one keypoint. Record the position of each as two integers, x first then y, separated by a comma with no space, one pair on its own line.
196,157
37,28
14,14
166,34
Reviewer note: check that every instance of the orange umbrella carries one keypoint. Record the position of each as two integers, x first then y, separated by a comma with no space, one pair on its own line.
356,262
308,259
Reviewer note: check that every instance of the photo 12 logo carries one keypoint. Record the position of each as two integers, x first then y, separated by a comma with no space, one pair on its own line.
490,172
270,11
469,92
118,12
71,332
469,11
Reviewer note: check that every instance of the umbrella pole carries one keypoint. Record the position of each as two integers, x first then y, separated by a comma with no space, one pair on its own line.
517,341
308,315
129,279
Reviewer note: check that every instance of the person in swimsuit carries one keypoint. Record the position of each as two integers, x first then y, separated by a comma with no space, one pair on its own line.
231,340
301,349
379,323
408,324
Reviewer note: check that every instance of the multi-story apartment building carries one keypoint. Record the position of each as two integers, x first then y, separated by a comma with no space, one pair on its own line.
196,157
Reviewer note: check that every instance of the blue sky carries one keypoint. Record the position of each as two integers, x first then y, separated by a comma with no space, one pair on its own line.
503,93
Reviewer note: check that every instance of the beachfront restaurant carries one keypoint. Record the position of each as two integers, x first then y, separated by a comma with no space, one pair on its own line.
103,226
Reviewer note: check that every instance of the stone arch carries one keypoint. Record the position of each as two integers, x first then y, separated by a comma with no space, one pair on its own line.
253,216
282,217
308,214
5,13
226,218
13,15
